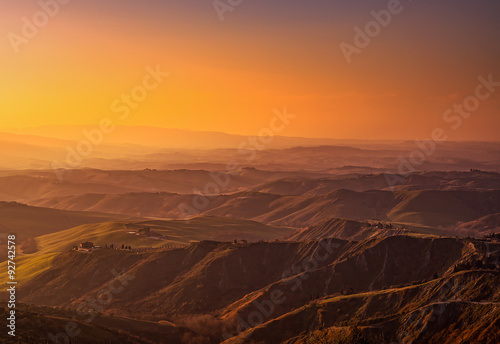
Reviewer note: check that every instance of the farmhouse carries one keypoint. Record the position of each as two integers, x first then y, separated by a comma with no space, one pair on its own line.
84,247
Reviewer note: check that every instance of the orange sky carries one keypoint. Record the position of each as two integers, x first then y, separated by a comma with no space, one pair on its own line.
228,76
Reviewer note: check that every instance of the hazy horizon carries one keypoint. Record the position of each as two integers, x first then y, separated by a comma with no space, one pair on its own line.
42,131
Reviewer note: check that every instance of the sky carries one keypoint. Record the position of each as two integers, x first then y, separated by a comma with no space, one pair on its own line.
228,75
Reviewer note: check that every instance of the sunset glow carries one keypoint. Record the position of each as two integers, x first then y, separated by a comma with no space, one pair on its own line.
222,73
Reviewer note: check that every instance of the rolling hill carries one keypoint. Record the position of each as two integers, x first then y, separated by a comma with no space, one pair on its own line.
25,186
28,222
321,284
346,230
479,227
162,233
383,257
447,181
432,208
445,310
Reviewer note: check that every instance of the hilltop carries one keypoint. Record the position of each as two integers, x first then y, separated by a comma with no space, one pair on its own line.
28,222
347,230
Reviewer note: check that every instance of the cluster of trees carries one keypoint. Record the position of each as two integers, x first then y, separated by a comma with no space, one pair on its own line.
123,247
15,204
382,226
493,236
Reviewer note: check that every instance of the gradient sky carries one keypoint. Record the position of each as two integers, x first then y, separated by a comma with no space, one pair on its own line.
228,76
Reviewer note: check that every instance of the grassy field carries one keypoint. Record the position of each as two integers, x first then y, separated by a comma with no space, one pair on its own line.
174,232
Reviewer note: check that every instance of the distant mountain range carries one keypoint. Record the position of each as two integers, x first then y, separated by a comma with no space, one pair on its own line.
132,148
171,138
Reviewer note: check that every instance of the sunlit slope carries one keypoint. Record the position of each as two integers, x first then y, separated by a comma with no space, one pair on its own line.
28,266
228,280
210,276
424,208
421,207
479,227
26,221
464,303
31,222
355,230
173,232
452,309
